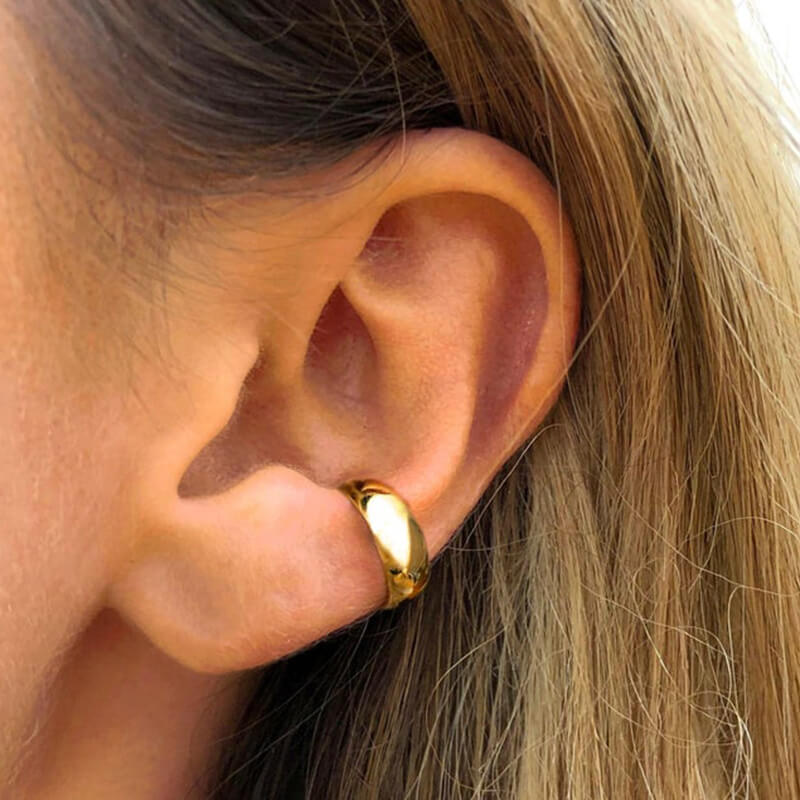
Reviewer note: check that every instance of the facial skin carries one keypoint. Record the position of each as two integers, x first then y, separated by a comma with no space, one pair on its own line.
169,462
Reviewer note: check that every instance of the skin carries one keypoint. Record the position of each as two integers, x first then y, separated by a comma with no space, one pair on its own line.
169,513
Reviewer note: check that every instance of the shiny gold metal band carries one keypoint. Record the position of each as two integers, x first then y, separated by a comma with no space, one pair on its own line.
400,542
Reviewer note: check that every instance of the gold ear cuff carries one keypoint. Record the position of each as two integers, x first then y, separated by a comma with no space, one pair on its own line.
397,536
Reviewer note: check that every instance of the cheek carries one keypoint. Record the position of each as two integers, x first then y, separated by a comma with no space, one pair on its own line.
54,479
61,457
62,471
62,479
63,448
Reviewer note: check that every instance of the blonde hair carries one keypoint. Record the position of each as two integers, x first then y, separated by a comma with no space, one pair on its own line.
640,628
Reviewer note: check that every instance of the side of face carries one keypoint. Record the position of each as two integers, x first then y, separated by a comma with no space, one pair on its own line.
63,459
173,453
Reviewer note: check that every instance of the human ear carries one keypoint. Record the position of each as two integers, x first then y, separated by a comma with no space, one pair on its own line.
413,325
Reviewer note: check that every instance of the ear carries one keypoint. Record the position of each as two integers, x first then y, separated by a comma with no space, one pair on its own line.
408,318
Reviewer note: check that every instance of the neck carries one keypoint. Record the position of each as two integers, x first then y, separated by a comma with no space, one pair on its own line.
124,720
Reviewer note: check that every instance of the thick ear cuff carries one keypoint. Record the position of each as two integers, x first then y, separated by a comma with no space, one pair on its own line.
397,536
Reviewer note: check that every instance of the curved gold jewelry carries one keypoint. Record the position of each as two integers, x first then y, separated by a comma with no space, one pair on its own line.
400,542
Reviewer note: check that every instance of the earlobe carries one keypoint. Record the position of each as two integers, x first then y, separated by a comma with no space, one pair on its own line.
433,316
